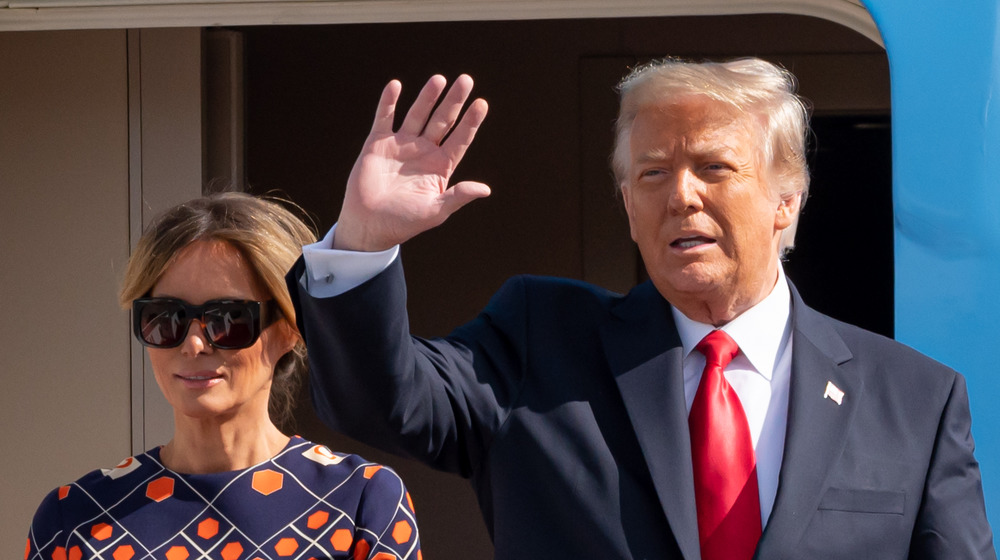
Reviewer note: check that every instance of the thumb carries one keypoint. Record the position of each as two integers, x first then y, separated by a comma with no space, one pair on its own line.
460,194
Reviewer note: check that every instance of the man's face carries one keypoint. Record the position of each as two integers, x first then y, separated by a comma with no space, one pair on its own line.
700,209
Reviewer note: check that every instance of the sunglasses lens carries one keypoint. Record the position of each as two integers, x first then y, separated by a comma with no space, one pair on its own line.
227,324
162,323
230,324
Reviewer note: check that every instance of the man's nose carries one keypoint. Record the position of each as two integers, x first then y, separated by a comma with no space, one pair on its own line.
685,192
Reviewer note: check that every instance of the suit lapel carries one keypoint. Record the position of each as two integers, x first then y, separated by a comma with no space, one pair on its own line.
817,426
645,356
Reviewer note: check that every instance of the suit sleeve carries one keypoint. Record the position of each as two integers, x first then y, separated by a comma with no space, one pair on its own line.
951,523
439,401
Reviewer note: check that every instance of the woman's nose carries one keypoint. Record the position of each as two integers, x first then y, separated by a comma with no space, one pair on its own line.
196,339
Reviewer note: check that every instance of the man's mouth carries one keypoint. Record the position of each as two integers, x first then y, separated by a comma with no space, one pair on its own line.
689,242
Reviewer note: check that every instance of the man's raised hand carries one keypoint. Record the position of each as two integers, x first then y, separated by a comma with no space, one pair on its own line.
398,187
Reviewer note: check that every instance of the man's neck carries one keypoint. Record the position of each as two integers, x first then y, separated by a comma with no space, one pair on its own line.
720,309
776,300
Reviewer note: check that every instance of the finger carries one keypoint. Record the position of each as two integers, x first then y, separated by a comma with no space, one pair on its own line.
417,116
459,195
386,111
460,139
446,114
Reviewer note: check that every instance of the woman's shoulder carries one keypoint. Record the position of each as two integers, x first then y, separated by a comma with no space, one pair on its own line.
318,462
69,506
118,480
381,506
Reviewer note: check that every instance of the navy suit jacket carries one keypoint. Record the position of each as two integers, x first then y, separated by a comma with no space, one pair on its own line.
564,405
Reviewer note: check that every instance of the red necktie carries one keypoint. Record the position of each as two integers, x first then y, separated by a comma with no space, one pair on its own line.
725,471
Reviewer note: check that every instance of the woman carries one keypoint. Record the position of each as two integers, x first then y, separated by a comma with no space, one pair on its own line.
207,292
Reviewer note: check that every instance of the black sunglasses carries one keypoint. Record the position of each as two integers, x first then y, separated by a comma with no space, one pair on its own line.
228,324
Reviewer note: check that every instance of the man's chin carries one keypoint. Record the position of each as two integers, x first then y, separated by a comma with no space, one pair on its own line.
692,280
694,285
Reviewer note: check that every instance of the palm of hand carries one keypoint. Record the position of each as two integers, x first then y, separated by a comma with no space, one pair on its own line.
398,187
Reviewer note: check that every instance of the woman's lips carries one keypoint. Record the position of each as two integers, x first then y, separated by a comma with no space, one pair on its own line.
199,380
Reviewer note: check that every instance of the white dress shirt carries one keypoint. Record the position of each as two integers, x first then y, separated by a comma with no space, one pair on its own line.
331,272
759,373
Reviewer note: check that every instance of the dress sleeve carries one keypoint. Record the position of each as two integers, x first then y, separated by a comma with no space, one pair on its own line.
45,533
386,526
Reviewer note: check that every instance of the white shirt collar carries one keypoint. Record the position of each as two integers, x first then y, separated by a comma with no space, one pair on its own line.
760,331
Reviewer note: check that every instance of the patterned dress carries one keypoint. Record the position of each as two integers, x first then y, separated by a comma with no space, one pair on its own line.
305,503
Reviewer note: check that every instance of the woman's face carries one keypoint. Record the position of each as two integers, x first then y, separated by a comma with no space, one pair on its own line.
201,381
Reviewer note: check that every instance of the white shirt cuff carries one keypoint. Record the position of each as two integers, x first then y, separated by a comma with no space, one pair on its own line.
331,272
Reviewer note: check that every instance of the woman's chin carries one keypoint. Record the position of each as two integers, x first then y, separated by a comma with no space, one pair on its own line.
203,409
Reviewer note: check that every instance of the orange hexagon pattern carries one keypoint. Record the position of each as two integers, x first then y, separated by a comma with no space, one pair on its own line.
124,552
361,550
317,519
311,519
101,531
401,532
341,539
160,489
208,528
267,481
286,546
232,551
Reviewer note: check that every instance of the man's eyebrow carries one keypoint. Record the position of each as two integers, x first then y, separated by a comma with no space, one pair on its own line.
652,155
715,143
714,149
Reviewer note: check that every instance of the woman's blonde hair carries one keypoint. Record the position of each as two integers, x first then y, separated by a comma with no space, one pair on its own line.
265,232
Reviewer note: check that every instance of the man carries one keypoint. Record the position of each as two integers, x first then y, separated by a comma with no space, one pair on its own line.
707,414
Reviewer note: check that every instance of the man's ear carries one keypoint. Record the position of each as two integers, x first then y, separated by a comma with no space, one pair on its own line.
627,201
788,209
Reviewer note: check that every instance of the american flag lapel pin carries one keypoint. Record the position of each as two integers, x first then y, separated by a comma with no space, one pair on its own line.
833,393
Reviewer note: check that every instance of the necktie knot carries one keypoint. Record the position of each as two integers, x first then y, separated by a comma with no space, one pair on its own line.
719,348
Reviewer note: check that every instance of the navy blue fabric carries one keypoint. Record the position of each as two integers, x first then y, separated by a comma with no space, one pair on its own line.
564,405
315,504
